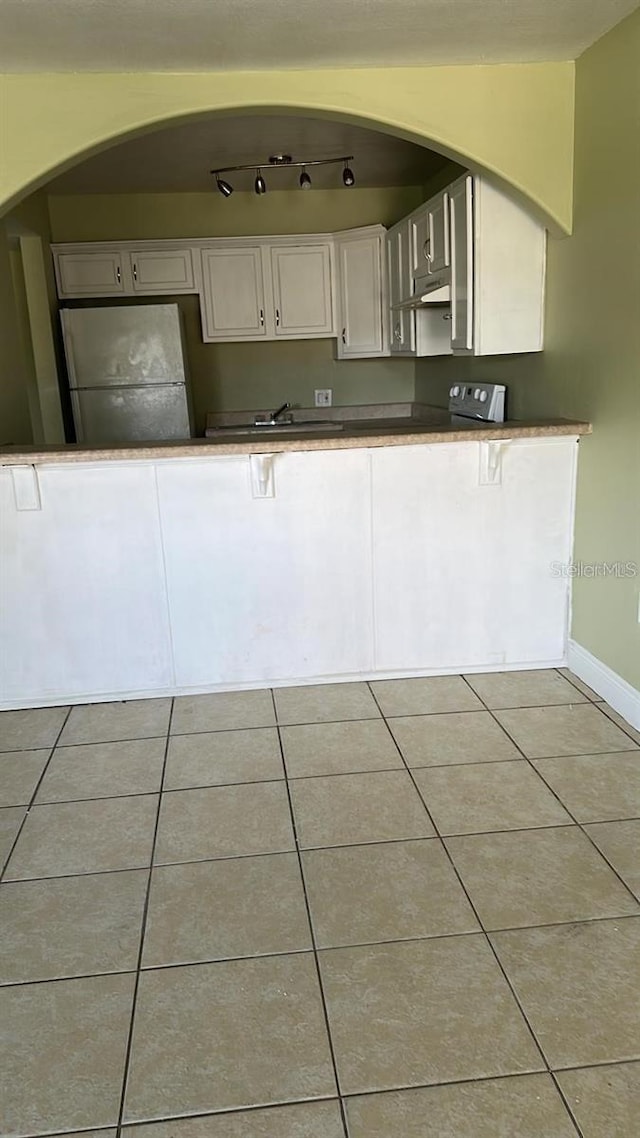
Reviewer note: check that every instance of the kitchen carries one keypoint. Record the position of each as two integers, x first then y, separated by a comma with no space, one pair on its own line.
463,271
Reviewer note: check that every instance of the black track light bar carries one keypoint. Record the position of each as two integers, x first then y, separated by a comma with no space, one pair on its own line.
280,162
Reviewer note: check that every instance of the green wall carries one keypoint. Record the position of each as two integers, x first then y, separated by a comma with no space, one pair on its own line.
590,368
226,377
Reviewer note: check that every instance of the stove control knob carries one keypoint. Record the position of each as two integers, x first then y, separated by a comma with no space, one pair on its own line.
476,394
483,397
454,391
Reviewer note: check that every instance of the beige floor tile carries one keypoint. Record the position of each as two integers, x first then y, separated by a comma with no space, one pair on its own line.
488,796
579,684
578,985
210,910
70,926
350,808
224,821
113,722
213,758
596,788
422,1012
425,696
247,1032
19,774
445,740
521,1106
10,822
394,891
30,730
319,703
548,732
540,688
85,837
620,722
303,1120
102,770
604,1100
222,711
620,844
65,1051
339,748
537,877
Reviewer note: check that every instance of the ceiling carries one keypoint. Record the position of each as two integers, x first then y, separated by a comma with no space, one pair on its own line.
222,35
179,158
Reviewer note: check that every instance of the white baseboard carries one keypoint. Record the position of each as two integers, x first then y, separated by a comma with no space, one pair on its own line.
619,694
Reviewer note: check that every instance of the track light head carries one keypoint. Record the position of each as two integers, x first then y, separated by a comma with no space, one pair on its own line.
225,189
305,181
260,186
348,176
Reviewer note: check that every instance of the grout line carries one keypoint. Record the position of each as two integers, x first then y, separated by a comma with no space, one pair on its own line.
145,911
581,825
5,864
477,916
627,729
323,1000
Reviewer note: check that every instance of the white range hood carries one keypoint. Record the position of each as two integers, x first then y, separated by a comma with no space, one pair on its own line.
428,290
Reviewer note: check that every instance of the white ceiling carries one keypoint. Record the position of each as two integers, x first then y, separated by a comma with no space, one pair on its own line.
179,159
214,35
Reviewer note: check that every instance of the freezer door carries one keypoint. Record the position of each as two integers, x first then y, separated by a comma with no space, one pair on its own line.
131,414
123,344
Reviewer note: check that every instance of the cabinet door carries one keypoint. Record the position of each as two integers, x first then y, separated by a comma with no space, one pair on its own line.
429,238
89,274
268,588
233,294
302,290
83,605
361,331
402,321
159,271
463,571
461,210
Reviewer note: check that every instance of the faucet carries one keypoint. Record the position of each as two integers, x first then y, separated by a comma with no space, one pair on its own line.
273,417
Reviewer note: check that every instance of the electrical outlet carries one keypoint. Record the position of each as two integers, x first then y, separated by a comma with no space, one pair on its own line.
323,396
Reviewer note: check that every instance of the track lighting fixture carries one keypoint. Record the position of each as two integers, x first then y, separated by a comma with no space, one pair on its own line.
277,161
225,189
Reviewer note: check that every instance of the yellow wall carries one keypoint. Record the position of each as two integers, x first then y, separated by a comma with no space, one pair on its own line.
590,368
515,120
241,377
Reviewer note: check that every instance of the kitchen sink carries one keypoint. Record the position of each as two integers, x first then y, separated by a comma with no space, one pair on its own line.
265,430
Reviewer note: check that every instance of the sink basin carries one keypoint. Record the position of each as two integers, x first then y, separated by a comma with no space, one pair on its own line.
265,430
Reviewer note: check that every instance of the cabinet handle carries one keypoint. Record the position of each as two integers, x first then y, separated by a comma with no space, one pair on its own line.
262,317
135,272
118,274
426,249
277,317
447,316
344,335
397,333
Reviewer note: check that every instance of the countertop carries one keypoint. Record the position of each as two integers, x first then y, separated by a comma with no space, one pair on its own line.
354,432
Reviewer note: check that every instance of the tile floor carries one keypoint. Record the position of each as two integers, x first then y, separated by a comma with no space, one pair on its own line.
401,908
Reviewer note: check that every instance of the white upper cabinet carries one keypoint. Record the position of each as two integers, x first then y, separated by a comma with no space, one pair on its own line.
302,300
361,294
233,294
498,259
162,270
429,228
85,273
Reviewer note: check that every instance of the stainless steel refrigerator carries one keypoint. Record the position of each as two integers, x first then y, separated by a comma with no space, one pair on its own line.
127,373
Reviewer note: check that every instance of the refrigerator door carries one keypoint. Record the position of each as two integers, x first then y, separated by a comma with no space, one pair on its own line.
147,413
130,344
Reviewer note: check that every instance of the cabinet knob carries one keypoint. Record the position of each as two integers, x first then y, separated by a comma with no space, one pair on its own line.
277,317
135,272
262,317
447,316
344,335
118,274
